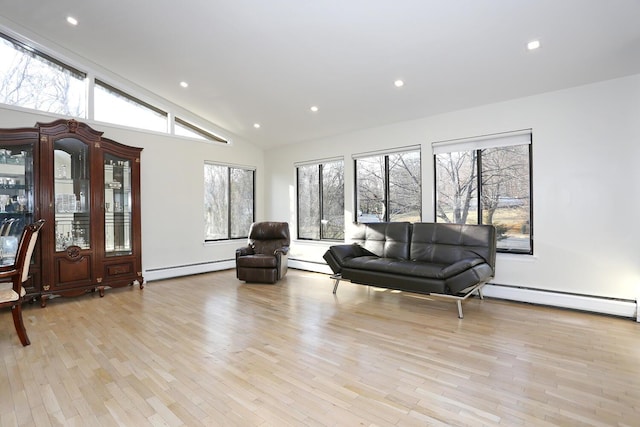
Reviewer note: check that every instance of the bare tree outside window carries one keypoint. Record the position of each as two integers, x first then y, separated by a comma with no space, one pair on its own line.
333,201
370,189
242,201
228,201
503,198
389,187
405,187
216,202
321,201
29,80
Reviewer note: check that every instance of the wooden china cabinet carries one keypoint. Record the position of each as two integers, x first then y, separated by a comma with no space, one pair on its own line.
87,188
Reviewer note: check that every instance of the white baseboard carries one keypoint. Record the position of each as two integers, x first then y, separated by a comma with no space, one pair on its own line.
187,270
614,307
310,266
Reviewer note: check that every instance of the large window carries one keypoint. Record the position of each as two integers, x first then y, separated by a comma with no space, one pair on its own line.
321,201
487,181
228,201
389,187
32,79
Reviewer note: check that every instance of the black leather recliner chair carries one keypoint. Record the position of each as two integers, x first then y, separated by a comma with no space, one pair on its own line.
265,258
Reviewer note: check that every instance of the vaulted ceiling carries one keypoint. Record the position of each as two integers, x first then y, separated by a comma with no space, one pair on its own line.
268,62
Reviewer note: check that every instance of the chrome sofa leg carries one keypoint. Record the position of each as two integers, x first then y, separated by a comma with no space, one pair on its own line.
459,304
337,278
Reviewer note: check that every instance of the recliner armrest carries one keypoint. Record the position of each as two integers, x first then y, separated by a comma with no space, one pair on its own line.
283,250
460,266
246,250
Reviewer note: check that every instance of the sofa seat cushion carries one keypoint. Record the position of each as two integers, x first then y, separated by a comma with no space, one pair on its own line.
397,266
257,261
412,268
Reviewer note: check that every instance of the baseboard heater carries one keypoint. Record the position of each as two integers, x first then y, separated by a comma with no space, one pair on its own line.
188,269
603,305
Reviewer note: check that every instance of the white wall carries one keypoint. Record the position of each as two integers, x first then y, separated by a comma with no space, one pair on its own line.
586,143
172,181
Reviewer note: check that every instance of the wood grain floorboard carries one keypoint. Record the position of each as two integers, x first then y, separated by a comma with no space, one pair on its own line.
208,350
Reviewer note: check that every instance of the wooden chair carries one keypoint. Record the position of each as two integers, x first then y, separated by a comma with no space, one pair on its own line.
18,273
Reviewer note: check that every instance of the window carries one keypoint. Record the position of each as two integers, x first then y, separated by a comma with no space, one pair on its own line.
32,79
487,181
228,201
321,201
115,106
389,187
184,128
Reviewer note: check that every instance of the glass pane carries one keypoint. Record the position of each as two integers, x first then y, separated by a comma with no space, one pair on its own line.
216,202
31,81
181,130
333,200
72,183
370,178
16,197
241,202
405,194
308,202
456,185
506,195
117,206
114,107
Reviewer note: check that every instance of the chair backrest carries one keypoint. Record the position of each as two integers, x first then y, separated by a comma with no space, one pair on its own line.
266,237
25,248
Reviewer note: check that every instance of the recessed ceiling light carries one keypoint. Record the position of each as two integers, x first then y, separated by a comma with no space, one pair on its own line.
398,83
256,125
71,20
184,84
314,108
533,44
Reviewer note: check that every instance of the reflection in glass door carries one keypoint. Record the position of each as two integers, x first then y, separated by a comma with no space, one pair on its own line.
117,205
16,197
71,192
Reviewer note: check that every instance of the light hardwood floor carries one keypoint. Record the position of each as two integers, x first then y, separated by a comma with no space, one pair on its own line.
209,350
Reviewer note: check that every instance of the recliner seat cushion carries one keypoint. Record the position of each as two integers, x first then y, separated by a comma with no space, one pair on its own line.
257,261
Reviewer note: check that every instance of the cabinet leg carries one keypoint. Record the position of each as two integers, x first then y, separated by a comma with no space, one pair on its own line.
43,300
101,291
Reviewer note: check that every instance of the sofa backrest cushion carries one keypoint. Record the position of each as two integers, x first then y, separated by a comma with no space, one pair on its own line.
447,243
384,239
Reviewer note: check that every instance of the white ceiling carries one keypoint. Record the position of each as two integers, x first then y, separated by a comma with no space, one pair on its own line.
251,61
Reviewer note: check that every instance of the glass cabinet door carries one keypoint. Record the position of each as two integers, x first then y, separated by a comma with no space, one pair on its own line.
71,194
117,205
16,196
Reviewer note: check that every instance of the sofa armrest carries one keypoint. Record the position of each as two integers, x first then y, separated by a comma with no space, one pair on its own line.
460,266
343,253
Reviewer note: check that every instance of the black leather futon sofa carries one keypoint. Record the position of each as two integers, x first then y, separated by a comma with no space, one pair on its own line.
439,259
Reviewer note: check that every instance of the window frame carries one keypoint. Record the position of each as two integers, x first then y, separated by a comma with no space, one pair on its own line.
479,178
387,185
228,196
320,165
204,134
